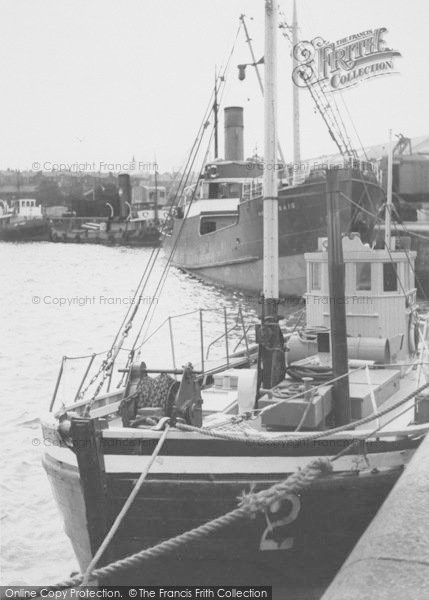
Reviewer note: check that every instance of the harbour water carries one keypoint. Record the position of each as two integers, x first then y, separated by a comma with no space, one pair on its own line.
70,300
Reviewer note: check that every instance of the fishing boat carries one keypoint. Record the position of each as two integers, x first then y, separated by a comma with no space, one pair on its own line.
22,221
217,231
266,468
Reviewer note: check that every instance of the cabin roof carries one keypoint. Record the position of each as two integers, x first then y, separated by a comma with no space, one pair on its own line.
354,250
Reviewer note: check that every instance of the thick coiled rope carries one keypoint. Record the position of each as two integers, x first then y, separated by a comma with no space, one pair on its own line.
302,479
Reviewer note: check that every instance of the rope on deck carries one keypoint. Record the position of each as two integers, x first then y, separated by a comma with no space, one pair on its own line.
249,504
289,440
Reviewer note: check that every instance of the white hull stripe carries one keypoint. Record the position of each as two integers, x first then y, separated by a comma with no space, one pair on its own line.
232,465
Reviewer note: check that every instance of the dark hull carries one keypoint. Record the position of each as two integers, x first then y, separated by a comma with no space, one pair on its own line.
143,241
116,233
312,531
232,256
332,518
26,232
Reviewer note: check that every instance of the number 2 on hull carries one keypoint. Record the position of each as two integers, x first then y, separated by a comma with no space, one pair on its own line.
273,535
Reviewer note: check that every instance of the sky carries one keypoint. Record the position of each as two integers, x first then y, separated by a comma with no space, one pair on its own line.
102,81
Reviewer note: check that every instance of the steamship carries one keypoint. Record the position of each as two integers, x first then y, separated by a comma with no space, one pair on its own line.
221,225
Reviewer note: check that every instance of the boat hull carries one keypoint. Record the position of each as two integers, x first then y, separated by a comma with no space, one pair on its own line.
306,535
80,230
232,255
246,275
26,232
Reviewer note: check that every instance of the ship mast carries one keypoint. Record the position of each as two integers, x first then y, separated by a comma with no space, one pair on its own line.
270,181
271,361
337,302
255,64
156,193
216,126
295,92
388,213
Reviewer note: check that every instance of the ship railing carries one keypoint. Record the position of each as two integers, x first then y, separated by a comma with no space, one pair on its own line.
234,338
72,222
26,218
252,189
297,173
365,167
228,343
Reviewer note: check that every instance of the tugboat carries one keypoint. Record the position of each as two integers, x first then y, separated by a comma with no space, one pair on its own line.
122,229
267,468
23,221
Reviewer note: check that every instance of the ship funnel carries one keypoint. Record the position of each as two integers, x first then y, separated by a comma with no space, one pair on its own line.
124,185
234,133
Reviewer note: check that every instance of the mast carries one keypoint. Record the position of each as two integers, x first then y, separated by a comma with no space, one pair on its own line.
295,92
337,305
156,193
270,181
252,54
271,358
258,74
215,112
388,212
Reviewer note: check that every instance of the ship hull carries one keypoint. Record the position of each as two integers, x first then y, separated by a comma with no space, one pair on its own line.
232,255
26,232
78,230
305,536
246,274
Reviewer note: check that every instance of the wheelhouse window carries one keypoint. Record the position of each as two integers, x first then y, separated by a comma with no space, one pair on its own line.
363,276
315,276
390,279
234,190
224,190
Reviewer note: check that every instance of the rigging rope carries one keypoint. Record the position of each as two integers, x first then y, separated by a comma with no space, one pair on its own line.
353,125
108,363
336,126
164,274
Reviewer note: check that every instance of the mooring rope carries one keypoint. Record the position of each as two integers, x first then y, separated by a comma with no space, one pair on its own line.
249,504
